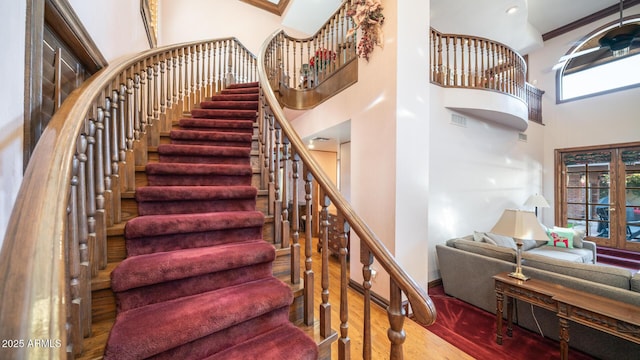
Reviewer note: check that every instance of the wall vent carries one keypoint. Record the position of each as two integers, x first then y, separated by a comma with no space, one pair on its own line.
458,120
522,137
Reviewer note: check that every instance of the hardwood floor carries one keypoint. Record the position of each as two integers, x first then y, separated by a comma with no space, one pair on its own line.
419,344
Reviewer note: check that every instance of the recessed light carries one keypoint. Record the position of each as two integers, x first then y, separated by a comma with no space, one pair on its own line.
512,10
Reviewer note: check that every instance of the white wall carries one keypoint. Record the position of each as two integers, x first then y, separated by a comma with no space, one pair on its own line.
12,34
190,20
605,119
114,25
476,172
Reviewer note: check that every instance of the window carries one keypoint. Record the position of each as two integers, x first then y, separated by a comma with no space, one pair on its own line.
592,69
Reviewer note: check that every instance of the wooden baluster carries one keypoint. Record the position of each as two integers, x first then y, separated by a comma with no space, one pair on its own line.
187,79
181,80
469,68
277,164
170,75
285,227
344,343
262,138
209,72
83,234
396,315
478,81
447,79
156,91
108,193
125,172
162,94
483,70
92,201
325,306
73,253
153,129
366,259
295,222
102,200
197,88
115,166
220,59
271,165
129,156
455,61
308,253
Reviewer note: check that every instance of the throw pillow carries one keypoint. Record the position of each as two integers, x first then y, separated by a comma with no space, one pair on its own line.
500,240
478,236
560,237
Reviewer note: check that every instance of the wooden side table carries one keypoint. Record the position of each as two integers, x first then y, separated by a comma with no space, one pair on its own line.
611,316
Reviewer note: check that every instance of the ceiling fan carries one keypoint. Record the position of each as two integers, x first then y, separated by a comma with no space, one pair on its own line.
618,40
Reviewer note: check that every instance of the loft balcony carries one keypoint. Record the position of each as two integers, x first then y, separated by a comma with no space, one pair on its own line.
484,79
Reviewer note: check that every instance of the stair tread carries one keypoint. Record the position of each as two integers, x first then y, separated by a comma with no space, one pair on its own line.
149,269
138,333
169,193
284,342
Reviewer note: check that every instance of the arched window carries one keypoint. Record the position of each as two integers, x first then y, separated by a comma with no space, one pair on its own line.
606,60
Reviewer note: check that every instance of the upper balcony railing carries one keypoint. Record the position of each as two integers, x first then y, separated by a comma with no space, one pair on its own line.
305,72
464,61
473,62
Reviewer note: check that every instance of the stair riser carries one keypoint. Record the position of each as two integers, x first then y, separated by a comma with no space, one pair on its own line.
116,249
194,207
129,208
198,180
165,140
103,305
202,159
140,246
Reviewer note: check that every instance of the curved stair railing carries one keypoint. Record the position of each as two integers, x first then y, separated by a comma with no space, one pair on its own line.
82,166
306,72
285,162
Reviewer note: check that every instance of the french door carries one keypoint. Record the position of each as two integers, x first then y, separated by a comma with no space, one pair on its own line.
599,190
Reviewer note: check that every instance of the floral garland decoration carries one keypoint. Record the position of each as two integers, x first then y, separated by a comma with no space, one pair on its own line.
367,15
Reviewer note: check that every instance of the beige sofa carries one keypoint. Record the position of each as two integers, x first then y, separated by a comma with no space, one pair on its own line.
467,266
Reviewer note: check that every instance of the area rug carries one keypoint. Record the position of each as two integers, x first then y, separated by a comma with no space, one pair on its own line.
473,331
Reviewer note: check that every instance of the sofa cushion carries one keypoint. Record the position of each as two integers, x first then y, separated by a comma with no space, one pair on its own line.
500,240
635,282
486,249
572,254
607,275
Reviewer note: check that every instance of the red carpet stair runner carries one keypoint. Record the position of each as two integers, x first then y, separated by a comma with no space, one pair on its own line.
197,282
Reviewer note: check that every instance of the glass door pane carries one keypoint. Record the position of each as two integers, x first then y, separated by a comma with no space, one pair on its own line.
631,160
587,192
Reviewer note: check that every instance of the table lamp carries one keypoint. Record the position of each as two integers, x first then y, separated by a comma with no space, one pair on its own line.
537,201
520,225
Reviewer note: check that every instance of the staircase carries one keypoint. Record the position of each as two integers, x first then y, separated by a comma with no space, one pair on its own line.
197,282
617,257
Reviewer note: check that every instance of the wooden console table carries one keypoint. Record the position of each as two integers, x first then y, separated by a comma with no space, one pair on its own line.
600,313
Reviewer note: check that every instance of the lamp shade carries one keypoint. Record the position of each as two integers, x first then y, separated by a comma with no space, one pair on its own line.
520,225
537,200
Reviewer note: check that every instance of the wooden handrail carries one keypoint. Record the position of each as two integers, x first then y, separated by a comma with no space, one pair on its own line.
56,237
423,309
